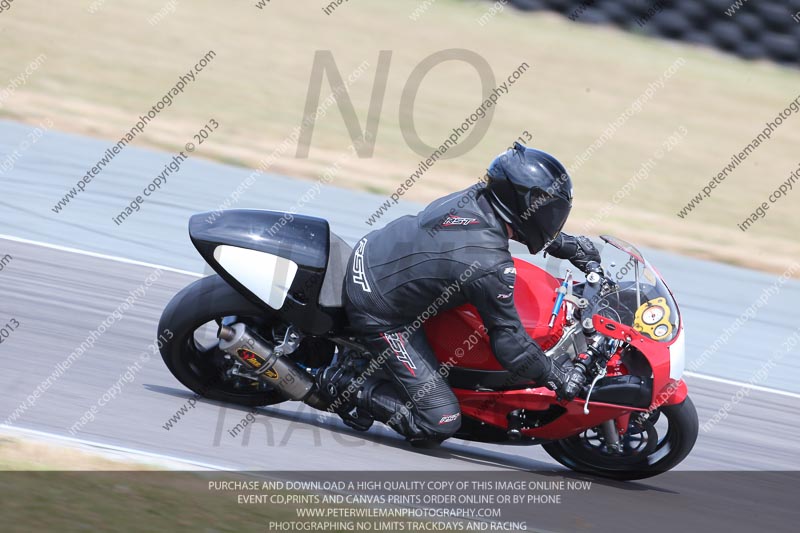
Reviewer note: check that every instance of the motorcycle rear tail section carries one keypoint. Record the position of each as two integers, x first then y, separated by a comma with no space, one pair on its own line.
285,263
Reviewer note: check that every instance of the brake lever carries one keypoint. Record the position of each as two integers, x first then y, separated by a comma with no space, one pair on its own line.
600,375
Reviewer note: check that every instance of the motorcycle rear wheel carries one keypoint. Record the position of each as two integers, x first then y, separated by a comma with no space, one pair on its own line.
194,312
649,450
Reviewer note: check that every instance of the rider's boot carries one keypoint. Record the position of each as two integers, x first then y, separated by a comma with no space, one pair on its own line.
336,386
379,399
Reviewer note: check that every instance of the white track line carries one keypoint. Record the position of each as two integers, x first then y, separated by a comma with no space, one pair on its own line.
742,384
174,463
99,256
195,274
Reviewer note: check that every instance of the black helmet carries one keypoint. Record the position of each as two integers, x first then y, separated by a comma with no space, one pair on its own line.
532,192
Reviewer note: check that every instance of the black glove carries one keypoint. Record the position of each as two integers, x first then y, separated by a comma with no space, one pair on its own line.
565,379
579,250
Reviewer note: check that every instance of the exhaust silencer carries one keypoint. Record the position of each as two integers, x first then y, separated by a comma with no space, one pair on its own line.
278,371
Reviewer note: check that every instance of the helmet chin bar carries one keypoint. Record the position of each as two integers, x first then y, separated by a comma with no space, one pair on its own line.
522,239
510,225
516,234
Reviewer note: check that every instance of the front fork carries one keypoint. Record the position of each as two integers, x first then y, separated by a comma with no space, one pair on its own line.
611,436
596,357
613,430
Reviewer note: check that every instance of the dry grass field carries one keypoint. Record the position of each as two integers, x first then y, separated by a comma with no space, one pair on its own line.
103,69
49,487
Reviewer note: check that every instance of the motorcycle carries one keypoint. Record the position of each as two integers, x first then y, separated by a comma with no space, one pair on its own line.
258,331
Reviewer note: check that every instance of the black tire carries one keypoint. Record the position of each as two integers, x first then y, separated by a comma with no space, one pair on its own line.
560,6
595,16
781,48
576,454
697,13
751,25
529,5
777,18
669,23
751,50
727,35
618,14
201,370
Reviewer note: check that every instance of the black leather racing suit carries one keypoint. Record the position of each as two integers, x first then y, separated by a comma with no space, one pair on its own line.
454,251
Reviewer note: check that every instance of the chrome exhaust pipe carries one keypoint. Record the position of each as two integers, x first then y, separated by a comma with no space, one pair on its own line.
278,371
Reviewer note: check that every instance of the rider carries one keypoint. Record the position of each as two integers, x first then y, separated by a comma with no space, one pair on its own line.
397,272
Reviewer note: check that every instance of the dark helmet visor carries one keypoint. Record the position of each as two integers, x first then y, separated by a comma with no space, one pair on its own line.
544,221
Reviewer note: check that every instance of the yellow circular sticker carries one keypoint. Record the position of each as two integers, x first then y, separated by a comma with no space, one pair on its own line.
652,319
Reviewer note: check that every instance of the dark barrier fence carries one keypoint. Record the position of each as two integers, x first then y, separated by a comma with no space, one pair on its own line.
753,29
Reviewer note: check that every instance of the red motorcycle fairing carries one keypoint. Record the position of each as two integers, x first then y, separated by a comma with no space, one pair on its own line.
458,335
493,408
666,391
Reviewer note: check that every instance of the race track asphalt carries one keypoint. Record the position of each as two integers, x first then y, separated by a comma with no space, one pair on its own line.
59,296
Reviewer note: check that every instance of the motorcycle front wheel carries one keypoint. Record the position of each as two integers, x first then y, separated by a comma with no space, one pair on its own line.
652,445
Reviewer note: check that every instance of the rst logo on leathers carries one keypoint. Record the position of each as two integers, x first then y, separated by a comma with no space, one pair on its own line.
359,276
459,221
449,418
398,346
